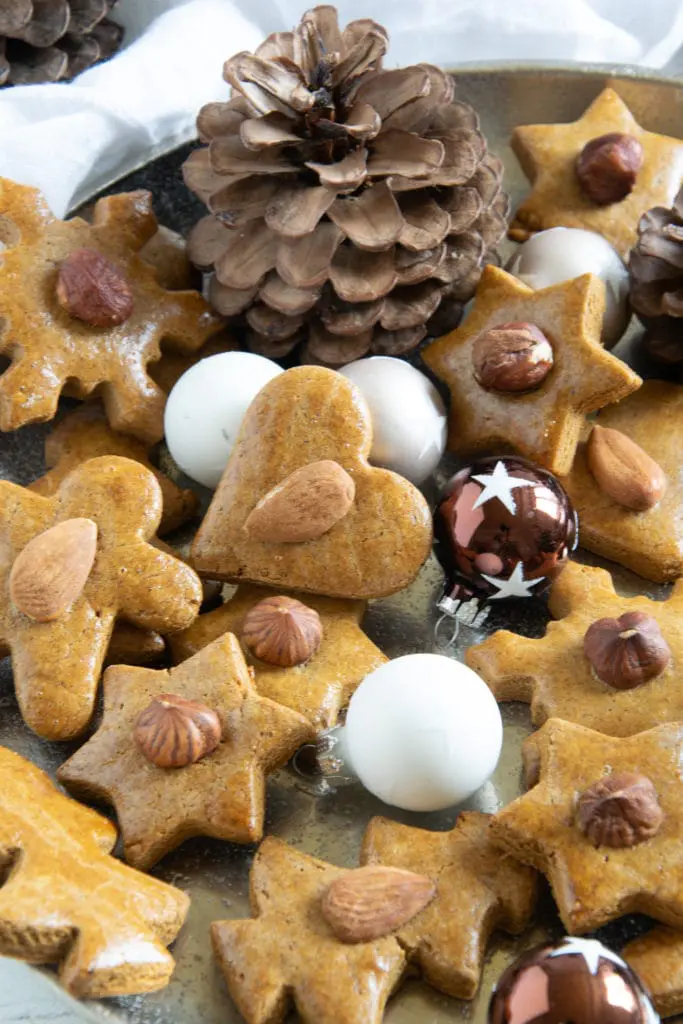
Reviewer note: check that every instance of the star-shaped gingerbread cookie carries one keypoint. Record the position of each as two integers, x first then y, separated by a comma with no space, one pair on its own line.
603,822
543,423
288,955
648,542
223,794
558,678
299,506
657,959
81,310
112,506
477,892
319,687
548,154
85,434
65,901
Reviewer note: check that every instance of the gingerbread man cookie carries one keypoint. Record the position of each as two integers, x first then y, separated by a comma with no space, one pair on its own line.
324,673
185,752
299,507
526,366
584,669
602,173
645,538
603,822
477,892
85,434
69,566
65,901
81,310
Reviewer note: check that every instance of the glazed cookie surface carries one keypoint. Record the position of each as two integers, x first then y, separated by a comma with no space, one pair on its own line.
657,958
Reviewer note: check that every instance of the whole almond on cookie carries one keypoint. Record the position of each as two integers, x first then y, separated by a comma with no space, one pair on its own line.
623,470
370,902
304,506
51,571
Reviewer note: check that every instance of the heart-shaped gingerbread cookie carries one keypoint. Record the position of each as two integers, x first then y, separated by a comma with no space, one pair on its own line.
302,458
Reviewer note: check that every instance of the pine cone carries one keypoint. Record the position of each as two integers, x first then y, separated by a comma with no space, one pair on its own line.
656,269
347,203
54,40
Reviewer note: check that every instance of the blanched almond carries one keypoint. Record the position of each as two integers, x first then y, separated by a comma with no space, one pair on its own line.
304,506
623,470
369,902
52,570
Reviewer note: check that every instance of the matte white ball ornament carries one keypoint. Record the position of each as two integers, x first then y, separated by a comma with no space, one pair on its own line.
560,254
409,420
205,409
423,732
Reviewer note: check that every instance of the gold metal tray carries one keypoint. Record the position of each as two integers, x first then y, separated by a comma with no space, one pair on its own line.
330,824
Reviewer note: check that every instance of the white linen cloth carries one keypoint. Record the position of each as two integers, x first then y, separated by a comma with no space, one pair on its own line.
70,139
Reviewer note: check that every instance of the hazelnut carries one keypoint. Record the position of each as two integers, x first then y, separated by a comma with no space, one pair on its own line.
90,288
173,732
627,651
282,631
512,357
607,167
620,810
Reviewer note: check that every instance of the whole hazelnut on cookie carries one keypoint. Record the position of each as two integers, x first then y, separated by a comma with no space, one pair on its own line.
173,732
620,810
608,166
512,357
92,289
282,631
627,651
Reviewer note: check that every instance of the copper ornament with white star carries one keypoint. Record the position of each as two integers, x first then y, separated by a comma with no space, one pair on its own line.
575,981
505,529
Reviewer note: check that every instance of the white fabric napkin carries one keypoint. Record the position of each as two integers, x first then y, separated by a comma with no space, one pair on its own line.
71,139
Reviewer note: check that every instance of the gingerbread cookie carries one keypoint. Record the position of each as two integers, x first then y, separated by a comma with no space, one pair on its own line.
644,539
172,365
324,674
603,822
65,901
143,758
85,434
288,954
166,252
70,565
132,646
300,507
605,188
82,311
618,686
477,892
525,368
657,958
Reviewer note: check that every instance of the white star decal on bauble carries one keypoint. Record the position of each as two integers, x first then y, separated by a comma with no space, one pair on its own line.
499,484
514,586
591,950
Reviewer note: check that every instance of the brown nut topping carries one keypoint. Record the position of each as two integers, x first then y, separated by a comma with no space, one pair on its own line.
90,288
282,631
623,471
173,732
52,570
608,166
627,651
512,357
620,810
303,506
370,902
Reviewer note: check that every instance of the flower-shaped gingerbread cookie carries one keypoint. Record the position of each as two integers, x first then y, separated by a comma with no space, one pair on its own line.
319,685
66,901
651,164
223,794
288,953
80,310
69,566
300,507
525,368
477,892
648,541
619,685
603,822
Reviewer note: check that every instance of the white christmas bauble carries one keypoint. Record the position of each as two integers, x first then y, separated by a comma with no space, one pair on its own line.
560,254
205,409
408,416
423,732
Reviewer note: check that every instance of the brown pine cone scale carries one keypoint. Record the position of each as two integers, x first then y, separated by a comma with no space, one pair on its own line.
656,271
